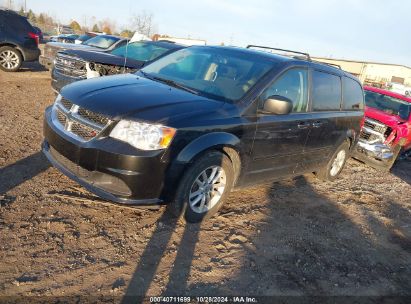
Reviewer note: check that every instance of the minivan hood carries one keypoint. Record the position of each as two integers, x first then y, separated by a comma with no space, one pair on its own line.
387,119
136,97
104,57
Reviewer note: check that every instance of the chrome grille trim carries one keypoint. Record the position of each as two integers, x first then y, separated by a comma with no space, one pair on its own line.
76,121
70,66
373,131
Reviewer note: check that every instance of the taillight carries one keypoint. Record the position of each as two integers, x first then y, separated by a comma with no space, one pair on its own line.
35,37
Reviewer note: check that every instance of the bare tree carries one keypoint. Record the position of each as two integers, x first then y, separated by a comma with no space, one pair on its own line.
143,23
107,25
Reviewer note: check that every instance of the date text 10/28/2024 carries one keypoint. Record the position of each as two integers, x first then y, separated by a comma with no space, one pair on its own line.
206,299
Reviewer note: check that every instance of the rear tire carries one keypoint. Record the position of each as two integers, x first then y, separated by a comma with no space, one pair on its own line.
203,188
10,59
336,164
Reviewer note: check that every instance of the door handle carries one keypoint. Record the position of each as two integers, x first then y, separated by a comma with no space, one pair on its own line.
303,125
317,124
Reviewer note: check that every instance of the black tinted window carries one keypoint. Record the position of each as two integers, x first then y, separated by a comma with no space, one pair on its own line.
353,97
326,91
17,23
293,84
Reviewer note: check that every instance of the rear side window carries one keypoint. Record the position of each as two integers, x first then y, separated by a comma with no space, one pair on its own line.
18,23
353,97
326,93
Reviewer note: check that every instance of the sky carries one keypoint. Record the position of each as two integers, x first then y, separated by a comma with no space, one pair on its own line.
370,30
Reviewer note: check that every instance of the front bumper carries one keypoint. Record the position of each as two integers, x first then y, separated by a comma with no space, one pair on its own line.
111,169
377,151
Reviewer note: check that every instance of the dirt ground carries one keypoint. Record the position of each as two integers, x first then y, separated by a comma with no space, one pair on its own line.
295,237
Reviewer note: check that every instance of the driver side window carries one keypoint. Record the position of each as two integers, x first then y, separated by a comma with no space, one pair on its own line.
292,84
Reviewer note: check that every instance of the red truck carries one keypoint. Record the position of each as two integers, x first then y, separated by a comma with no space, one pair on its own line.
386,129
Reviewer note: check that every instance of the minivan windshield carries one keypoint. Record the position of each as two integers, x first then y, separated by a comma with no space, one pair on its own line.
388,104
102,42
141,51
218,73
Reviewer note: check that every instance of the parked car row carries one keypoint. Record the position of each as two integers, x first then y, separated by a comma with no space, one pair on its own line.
97,43
78,64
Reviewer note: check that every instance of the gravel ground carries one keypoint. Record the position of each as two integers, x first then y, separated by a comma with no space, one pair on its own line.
295,237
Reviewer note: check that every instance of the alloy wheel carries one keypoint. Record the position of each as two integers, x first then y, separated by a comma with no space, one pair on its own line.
338,163
9,59
207,189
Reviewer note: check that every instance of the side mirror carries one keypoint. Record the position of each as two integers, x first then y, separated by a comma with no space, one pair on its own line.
277,104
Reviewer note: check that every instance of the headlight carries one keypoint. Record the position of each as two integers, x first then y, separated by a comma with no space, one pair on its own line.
143,136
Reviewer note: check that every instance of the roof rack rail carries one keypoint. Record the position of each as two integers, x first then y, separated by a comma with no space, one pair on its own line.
328,63
282,50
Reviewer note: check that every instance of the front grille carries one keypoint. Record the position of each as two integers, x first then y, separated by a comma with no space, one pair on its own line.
61,117
94,117
66,103
368,136
83,131
369,124
365,135
80,123
70,66
374,126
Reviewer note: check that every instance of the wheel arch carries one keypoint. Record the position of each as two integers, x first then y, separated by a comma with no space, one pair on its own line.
351,137
226,143
2,44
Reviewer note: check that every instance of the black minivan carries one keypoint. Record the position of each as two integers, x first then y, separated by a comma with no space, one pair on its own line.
195,124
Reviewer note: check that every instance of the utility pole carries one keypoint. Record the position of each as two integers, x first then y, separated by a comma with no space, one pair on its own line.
25,6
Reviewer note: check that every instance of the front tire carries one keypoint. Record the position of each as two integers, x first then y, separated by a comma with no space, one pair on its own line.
336,164
10,59
204,187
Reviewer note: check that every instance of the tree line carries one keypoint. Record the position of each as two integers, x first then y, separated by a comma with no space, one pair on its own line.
142,23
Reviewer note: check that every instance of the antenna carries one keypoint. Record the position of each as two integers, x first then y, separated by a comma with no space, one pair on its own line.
125,59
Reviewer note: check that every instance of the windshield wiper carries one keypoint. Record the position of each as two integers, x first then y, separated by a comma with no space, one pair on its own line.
175,84
170,83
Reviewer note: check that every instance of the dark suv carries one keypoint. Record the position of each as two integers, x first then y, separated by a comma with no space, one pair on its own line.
18,41
193,125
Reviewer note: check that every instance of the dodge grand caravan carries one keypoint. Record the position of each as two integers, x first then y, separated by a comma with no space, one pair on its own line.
197,123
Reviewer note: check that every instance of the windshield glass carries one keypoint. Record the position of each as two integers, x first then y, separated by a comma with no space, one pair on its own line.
388,104
102,42
140,51
84,37
218,73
